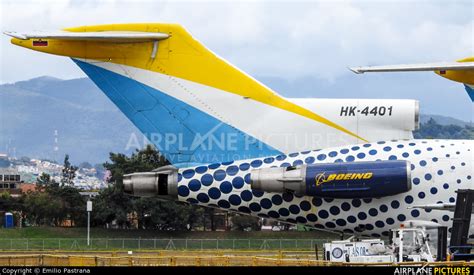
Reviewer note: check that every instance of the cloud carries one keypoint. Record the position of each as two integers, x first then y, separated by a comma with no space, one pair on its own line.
287,39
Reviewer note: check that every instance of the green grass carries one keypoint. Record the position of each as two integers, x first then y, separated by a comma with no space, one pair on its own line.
75,232
57,238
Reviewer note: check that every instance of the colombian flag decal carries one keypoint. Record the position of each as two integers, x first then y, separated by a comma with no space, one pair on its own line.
39,43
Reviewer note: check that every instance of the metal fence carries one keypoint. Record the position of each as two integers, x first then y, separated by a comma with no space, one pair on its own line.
217,260
160,244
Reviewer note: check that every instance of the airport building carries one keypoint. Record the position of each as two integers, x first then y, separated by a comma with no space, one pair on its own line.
10,182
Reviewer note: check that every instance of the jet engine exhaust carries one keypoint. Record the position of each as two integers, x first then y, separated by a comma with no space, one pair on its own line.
162,182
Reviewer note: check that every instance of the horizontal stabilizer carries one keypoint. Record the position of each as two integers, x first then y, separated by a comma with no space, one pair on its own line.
110,36
416,67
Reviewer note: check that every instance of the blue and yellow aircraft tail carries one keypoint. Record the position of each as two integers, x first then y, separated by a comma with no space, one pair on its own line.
192,104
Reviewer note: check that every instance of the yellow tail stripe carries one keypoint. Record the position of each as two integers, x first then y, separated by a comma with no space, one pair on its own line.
180,56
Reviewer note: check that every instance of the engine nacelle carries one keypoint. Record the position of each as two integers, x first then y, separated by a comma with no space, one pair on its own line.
162,182
372,179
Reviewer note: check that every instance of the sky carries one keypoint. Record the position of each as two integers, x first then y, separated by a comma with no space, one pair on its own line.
285,39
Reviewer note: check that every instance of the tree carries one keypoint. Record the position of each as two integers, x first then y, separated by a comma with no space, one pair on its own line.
113,204
72,203
52,203
68,173
8,203
43,180
432,129
43,209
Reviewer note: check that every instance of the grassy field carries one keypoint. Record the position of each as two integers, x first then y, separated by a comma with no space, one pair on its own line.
62,232
57,238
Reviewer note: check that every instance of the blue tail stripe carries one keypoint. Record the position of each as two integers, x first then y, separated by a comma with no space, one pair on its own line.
159,117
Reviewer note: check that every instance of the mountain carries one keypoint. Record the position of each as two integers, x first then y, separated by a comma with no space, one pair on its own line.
89,126
444,120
